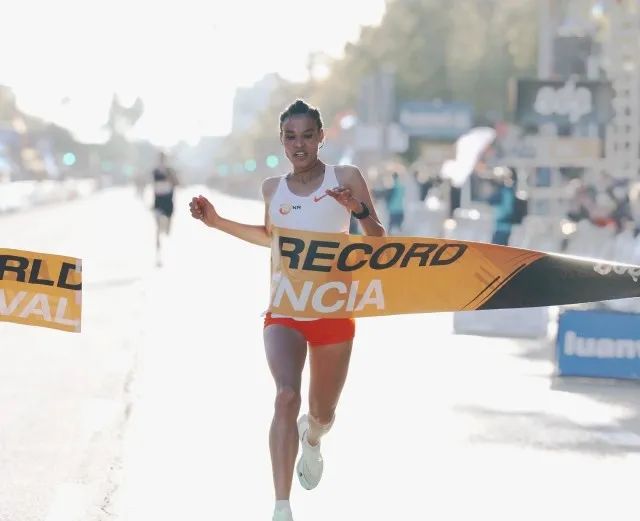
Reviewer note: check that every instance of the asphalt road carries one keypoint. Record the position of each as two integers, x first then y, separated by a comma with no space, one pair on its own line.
160,408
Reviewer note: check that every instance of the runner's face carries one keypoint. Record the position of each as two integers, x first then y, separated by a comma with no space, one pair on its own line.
301,137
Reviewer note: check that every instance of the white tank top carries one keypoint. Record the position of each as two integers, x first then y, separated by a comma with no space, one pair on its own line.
316,212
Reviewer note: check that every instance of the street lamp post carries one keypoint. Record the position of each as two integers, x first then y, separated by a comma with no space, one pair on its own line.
622,59
546,32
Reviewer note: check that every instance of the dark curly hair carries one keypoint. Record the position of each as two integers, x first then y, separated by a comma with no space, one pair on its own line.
301,107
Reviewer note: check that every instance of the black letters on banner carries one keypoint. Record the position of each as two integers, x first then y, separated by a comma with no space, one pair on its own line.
34,276
342,259
64,274
437,258
314,254
399,247
294,255
414,253
35,273
20,270
385,257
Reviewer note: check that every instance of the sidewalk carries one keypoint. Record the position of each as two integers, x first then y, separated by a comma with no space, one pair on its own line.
63,396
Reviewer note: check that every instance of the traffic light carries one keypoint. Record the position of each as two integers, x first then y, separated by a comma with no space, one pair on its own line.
250,165
272,161
69,159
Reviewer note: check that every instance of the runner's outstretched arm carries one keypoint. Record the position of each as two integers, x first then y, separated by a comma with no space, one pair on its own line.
202,209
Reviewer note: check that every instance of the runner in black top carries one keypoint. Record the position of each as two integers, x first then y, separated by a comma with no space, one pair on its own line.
164,183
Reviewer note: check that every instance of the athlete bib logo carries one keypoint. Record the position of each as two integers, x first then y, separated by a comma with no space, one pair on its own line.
285,209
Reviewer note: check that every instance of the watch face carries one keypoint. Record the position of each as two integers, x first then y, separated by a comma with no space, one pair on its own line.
362,213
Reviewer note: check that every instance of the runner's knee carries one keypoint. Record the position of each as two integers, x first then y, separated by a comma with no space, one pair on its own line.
322,419
288,401
322,413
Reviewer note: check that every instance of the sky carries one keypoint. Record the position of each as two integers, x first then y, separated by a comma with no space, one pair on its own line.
64,59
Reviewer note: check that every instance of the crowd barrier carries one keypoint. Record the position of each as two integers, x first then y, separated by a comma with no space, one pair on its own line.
20,195
510,323
537,232
422,221
602,340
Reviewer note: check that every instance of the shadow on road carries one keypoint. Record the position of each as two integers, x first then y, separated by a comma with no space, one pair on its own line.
554,432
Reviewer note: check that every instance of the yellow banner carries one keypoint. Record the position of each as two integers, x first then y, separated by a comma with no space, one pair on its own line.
317,275
40,289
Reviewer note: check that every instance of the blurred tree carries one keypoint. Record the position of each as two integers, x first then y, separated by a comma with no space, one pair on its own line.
7,104
462,50
121,117
118,151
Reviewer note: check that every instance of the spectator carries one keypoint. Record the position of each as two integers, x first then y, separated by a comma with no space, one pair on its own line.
425,183
618,192
395,204
583,202
503,199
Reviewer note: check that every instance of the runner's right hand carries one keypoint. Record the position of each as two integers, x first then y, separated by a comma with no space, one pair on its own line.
202,209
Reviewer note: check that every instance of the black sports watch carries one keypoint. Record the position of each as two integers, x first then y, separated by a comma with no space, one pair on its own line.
364,213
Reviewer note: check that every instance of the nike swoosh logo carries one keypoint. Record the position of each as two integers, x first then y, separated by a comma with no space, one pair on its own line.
316,199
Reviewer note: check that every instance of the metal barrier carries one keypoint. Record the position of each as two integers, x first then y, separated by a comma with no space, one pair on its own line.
20,195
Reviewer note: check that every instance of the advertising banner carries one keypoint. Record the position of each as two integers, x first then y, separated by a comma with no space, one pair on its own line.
433,120
336,275
598,343
563,102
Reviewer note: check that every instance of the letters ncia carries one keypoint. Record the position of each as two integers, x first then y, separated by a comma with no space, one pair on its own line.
372,295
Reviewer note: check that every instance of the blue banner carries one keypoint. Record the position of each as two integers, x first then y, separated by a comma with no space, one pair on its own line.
598,344
435,120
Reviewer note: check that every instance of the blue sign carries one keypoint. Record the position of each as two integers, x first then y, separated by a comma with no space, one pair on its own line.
435,120
599,344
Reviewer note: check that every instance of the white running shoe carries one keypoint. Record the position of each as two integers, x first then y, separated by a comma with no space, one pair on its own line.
310,464
282,515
